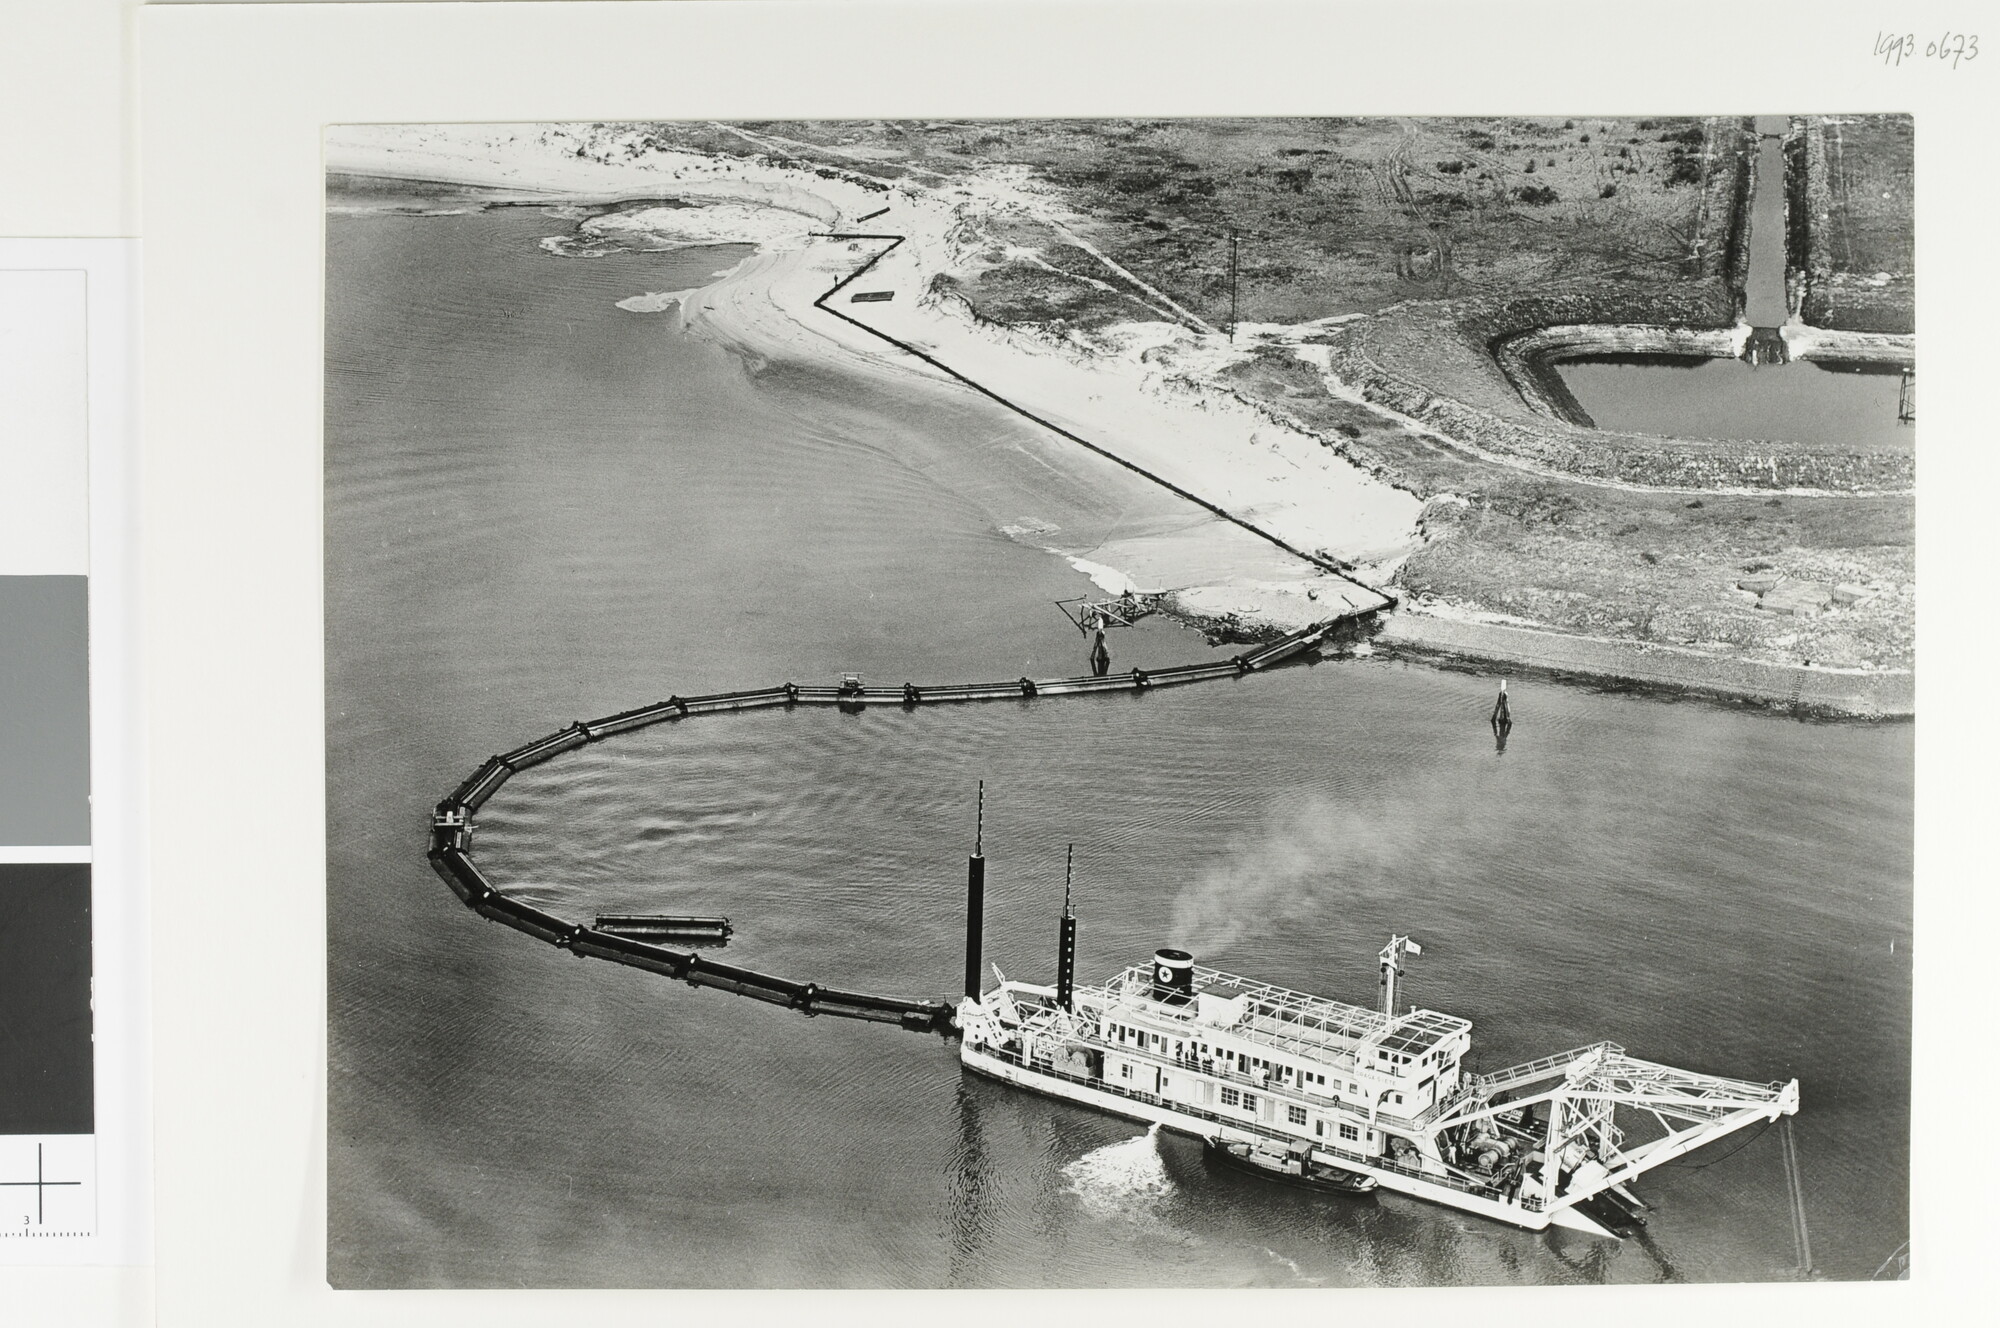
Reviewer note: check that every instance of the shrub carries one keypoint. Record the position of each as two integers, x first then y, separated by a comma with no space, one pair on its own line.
1607,191
1536,195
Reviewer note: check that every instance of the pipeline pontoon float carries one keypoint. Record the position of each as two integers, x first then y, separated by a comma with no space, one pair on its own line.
634,940
1382,1094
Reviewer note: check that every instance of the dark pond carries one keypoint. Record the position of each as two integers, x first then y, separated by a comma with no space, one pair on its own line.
1831,405
1802,402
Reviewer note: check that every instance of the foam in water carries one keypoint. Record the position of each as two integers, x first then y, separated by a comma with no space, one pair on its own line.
1126,1179
1291,1266
1108,579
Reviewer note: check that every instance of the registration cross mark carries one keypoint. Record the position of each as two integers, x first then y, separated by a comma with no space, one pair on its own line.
41,1185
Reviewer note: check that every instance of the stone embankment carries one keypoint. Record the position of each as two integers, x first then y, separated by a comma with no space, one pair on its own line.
1664,670
1820,343
1529,359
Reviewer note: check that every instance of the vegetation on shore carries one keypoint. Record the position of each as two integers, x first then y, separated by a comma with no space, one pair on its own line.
1426,228
1331,216
1852,236
1626,564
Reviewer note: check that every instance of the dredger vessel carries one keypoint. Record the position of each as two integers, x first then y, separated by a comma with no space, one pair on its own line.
1315,1086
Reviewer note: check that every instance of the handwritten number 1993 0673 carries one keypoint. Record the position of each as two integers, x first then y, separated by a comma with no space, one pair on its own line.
1949,48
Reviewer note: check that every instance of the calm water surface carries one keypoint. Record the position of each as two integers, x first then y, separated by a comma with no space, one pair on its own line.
1801,402
1764,285
541,507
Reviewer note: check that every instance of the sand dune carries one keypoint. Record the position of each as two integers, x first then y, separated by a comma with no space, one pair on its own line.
1138,397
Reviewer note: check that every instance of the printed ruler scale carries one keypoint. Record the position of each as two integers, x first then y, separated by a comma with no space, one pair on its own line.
50,1192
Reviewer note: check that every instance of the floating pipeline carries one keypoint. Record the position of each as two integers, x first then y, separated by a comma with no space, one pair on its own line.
652,927
450,851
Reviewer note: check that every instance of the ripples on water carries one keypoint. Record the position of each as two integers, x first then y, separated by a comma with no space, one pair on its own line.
541,507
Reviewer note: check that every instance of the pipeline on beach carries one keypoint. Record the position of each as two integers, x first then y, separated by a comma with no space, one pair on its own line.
451,829
824,303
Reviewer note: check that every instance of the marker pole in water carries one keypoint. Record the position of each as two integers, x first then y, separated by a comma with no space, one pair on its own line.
975,899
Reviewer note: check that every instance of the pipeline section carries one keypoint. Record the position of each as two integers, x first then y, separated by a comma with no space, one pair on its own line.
892,242
450,851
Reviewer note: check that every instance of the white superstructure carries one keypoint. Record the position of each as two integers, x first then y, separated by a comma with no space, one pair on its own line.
1383,1093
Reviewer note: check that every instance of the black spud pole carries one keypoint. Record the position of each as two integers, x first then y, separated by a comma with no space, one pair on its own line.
1066,944
975,899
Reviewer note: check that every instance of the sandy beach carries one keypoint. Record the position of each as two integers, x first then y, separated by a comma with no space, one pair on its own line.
1285,508
1272,477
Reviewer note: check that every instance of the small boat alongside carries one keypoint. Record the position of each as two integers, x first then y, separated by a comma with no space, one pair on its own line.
1291,1166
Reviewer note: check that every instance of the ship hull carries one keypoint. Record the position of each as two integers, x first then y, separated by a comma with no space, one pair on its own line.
1154,1112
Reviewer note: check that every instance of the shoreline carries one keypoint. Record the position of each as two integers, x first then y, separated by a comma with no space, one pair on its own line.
1656,670
1260,479
1164,426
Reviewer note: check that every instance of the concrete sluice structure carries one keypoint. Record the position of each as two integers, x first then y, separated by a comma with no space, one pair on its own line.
450,849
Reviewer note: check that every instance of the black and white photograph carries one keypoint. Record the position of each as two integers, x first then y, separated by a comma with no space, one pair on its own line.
1120,702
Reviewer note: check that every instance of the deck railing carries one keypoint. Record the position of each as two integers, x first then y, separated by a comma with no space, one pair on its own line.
1378,1162
1278,1090
1537,1069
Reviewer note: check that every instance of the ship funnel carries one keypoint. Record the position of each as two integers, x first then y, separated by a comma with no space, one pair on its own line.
1173,977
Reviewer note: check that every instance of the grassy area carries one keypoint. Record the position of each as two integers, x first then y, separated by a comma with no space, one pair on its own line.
1496,216
1332,216
1871,177
1620,563
1853,229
